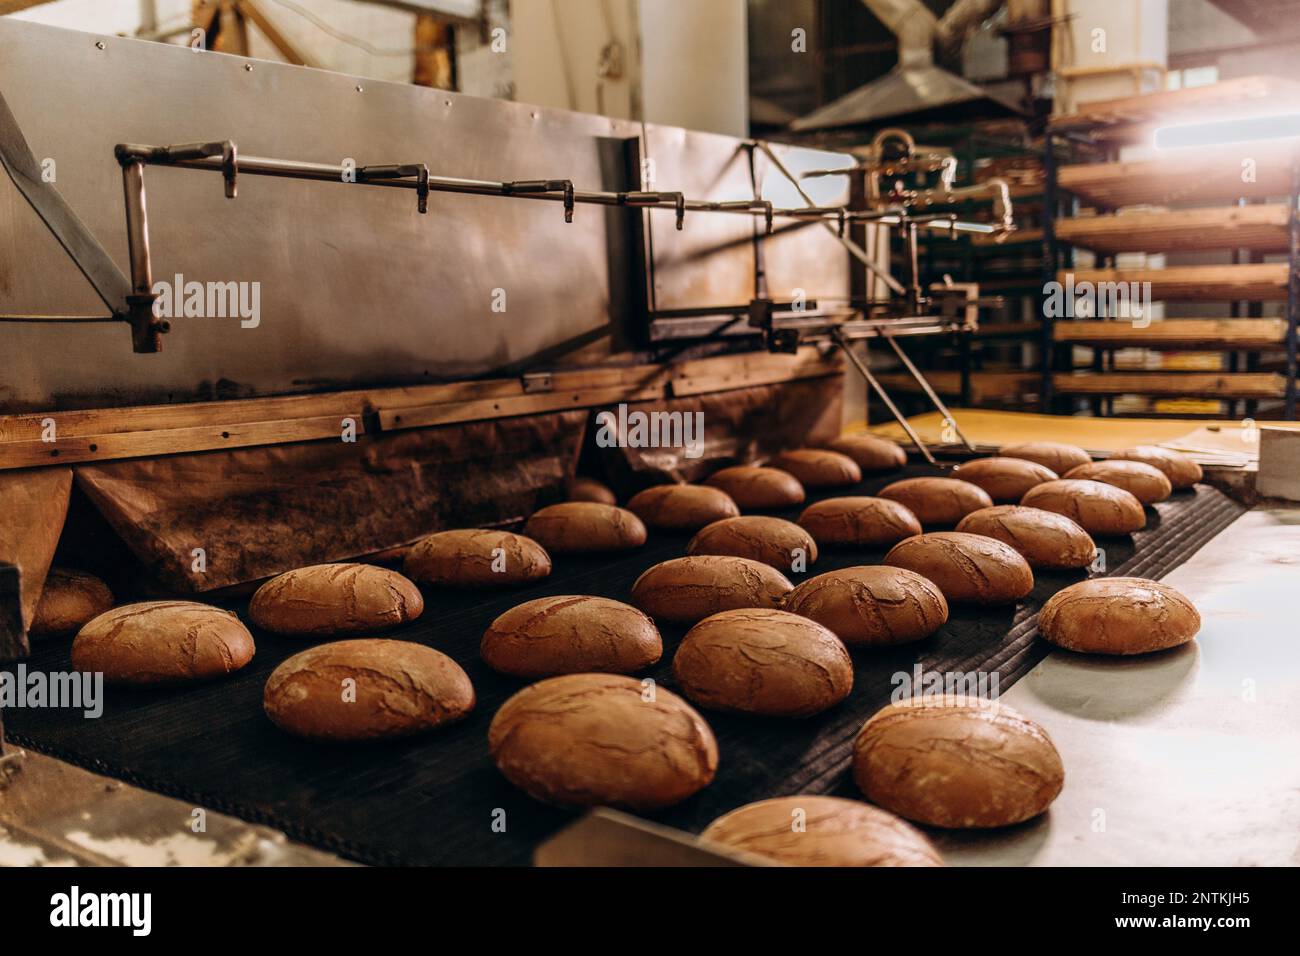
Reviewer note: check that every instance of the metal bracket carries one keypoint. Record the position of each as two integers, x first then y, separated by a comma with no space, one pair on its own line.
537,382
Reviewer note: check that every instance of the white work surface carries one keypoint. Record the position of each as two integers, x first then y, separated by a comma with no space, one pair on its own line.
1187,757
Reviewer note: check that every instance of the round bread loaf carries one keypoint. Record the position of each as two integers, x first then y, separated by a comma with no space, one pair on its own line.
938,502
1118,616
968,568
476,558
809,830
871,453
689,589
870,606
682,507
774,541
957,762
575,527
859,522
1044,538
162,642
1005,479
330,599
1144,482
1097,508
757,488
765,662
1181,471
818,468
586,740
366,689
68,600
1058,456
571,634
589,489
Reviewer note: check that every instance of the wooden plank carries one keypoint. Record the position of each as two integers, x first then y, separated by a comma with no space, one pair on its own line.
1181,384
453,412
1262,228
985,386
1264,281
167,441
1190,334
1242,170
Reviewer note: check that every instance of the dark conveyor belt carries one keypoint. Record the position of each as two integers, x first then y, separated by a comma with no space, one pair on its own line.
431,800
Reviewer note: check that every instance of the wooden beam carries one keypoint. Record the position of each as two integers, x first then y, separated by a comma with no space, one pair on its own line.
1173,384
249,9
1180,334
1262,228
14,6
1261,282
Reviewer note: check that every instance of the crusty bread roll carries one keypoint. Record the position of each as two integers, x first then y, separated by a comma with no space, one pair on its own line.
366,689
859,522
68,600
162,642
1005,479
686,590
575,527
871,453
968,568
774,541
571,634
819,468
682,507
809,830
586,740
757,488
1181,471
1097,508
476,558
589,489
1118,616
957,762
1058,456
1045,538
938,502
765,662
869,606
331,599
1144,482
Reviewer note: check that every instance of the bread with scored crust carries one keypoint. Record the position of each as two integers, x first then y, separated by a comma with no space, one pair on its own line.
1097,508
335,599
968,568
571,634
162,642
819,468
682,507
1044,538
859,522
68,601
686,590
937,502
1181,471
773,541
871,453
758,488
577,527
1005,479
476,558
1118,616
1144,482
1056,455
868,606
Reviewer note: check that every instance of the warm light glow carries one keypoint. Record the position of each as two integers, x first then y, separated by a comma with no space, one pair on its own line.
1222,132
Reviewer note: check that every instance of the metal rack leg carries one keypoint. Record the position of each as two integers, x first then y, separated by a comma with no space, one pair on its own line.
1048,335
1292,292
847,348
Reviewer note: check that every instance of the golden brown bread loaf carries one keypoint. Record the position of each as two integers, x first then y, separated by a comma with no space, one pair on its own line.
1118,616
868,606
1045,538
937,502
765,662
476,558
1181,471
682,507
859,521
1144,482
773,541
968,568
871,453
1097,508
818,468
1058,456
586,740
330,599
809,830
162,642
758,488
689,589
366,689
957,762
571,634
576,527
68,600
589,489
1005,479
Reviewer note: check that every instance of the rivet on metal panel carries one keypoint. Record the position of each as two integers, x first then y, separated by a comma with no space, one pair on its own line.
100,45
360,88
248,68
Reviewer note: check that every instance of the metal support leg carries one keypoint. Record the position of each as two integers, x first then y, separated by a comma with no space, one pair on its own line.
1048,334
847,347
1292,290
927,388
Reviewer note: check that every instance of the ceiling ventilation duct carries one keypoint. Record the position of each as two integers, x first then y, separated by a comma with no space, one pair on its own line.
917,87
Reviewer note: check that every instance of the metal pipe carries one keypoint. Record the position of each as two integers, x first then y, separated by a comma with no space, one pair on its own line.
927,388
838,337
1292,290
137,227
